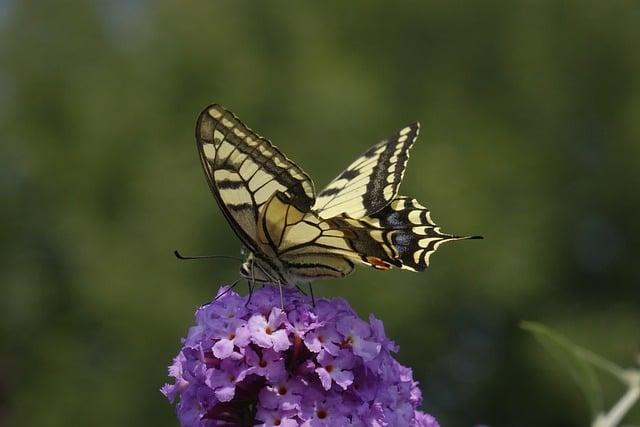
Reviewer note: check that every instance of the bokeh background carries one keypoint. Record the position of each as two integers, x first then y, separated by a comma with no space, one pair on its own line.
530,114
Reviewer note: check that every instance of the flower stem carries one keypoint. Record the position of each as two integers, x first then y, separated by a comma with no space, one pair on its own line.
626,402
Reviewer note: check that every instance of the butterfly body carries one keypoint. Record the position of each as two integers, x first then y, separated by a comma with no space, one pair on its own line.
285,255
296,237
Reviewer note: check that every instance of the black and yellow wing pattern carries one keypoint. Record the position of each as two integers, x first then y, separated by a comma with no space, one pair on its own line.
294,237
402,235
244,170
371,182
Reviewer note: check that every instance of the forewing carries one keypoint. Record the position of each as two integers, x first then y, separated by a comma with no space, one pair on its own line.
371,182
244,170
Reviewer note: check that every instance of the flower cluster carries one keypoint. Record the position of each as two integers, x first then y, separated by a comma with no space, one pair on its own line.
246,364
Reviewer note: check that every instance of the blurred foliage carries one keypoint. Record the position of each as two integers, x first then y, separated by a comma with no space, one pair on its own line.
530,136
582,364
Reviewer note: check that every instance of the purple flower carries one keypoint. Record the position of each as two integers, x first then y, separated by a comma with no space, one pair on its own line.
424,420
268,364
223,380
377,329
335,369
271,418
325,338
357,334
324,409
265,332
258,364
229,335
285,395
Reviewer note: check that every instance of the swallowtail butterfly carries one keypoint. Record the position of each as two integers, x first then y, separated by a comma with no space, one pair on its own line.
295,236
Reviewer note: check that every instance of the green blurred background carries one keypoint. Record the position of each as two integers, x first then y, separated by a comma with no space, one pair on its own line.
530,114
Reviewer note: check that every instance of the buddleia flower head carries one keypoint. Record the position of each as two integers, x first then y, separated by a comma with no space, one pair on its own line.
251,362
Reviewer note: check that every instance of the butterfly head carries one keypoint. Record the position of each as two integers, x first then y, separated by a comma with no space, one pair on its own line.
256,270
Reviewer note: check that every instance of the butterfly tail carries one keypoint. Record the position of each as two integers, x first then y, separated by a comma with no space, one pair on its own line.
401,235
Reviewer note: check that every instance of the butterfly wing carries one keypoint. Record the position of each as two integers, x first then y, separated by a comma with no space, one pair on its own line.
244,170
371,182
402,235
303,243
269,201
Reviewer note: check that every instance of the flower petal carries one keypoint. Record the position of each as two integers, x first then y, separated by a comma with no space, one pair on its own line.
280,340
223,348
343,378
225,394
325,378
368,350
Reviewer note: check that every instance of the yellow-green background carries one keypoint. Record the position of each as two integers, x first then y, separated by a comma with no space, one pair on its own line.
530,114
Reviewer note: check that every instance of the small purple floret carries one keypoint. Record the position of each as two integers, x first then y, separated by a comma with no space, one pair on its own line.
302,366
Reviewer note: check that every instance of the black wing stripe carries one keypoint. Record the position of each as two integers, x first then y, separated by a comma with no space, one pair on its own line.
371,182
238,145
244,170
401,235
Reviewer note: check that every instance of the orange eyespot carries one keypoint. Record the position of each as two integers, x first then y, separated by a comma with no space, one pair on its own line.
378,263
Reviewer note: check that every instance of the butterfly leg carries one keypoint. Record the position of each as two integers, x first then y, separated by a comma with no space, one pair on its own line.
313,297
301,291
250,286
233,285
281,295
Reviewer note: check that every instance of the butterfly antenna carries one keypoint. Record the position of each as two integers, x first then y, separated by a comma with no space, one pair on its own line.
313,297
250,286
281,296
184,257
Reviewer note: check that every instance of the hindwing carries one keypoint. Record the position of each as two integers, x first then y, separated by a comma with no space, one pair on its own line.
400,235
308,247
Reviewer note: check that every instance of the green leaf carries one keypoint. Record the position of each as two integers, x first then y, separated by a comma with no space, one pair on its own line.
570,355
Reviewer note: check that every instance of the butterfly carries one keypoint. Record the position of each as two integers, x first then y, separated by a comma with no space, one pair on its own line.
294,236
